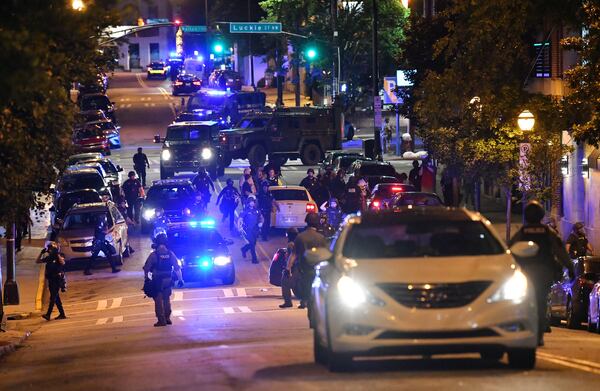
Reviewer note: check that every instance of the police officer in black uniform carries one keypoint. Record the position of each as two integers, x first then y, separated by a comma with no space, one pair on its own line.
99,243
249,227
159,268
55,274
140,162
547,264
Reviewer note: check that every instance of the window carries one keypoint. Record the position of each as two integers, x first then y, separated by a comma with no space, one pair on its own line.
86,220
543,66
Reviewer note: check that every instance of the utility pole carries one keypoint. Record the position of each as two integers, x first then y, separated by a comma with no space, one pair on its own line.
334,76
250,49
375,76
297,75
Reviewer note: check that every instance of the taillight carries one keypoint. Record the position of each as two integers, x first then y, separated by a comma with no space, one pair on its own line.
223,140
311,208
396,189
197,83
376,204
178,83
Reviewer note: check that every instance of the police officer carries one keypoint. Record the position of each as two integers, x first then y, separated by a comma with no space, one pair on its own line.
99,243
310,181
140,162
577,242
266,203
228,201
333,212
547,264
307,239
250,221
161,222
159,268
290,275
203,185
133,190
55,274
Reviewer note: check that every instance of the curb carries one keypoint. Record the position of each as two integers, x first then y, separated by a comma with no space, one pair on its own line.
11,347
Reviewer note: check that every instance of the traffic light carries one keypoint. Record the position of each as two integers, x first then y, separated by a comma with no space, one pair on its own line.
218,48
311,53
177,22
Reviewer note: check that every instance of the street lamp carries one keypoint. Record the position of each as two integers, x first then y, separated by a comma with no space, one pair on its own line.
526,121
77,5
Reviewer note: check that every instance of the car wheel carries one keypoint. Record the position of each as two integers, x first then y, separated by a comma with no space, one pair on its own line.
118,258
339,362
521,358
320,352
311,155
573,321
164,173
492,355
230,278
257,155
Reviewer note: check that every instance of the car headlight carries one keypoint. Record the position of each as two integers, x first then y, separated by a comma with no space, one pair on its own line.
149,214
165,154
206,153
514,289
222,260
351,294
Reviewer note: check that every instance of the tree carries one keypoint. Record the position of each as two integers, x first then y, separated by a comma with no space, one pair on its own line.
44,47
582,105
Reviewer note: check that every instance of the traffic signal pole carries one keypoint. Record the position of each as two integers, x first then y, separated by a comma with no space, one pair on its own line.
375,78
250,49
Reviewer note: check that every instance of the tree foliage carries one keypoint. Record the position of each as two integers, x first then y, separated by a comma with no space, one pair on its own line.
44,46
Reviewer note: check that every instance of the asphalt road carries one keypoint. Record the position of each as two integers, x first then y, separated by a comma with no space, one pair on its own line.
233,337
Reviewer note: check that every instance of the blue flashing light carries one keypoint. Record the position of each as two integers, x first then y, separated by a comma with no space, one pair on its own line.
218,48
173,54
205,263
195,52
207,223
216,93
193,224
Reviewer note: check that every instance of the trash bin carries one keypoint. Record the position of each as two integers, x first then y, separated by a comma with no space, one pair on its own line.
369,148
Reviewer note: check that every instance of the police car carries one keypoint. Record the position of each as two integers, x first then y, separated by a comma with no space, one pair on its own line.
201,251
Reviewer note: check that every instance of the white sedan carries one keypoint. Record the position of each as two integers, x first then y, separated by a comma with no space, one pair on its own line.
292,203
421,281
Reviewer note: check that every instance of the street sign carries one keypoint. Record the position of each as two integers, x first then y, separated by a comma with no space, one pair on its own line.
193,29
254,28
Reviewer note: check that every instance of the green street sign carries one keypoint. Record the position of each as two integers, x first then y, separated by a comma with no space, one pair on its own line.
193,29
254,28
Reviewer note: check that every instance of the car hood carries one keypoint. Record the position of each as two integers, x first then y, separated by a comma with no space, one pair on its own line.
433,270
79,233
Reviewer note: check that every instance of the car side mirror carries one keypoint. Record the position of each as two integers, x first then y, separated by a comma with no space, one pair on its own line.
119,168
525,249
157,139
317,255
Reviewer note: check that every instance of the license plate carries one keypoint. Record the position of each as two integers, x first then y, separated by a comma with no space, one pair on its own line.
289,219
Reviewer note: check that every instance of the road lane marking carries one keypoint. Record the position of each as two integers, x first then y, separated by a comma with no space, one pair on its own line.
177,313
228,310
116,303
102,321
245,309
178,296
228,292
102,304
117,319
575,361
570,365
241,292
146,105
140,81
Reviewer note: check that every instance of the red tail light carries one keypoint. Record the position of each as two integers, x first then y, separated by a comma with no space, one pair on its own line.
396,189
311,208
376,204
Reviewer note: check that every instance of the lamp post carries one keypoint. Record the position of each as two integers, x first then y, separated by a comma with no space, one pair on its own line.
77,5
526,121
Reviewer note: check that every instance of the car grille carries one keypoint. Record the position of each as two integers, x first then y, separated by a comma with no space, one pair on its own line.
450,295
437,334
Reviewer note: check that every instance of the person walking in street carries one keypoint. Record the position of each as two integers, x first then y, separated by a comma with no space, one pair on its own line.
99,244
133,190
249,222
290,274
266,203
203,185
578,244
305,240
309,181
55,274
547,264
159,268
140,163
227,200
414,175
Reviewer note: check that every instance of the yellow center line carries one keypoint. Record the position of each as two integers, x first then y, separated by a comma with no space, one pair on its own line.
140,81
582,365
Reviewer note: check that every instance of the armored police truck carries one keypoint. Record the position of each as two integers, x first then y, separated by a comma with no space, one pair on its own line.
225,107
285,133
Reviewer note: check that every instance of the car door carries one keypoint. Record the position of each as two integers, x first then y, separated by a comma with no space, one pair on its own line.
120,226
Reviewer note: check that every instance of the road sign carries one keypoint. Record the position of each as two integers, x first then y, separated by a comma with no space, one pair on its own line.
255,28
193,29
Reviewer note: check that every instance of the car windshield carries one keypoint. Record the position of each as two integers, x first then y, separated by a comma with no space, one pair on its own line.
418,199
290,195
85,220
425,238
81,181
166,193
206,101
85,197
195,239
95,102
189,133
377,169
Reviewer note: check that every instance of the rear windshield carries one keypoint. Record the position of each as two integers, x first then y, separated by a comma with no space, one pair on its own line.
165,193
84,181
85,220
428,238
290,195
253,123
418,200
88,132
377,169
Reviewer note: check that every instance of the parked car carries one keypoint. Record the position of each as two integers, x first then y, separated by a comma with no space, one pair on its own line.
186,84
87,178
91,139
225,79
70,198
345,162
83,117
81,157
93,165
98,102
330,157
415,198
421,281
112,171
594,309
77,231
293,202
106,126
383,193
569,299
373,172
